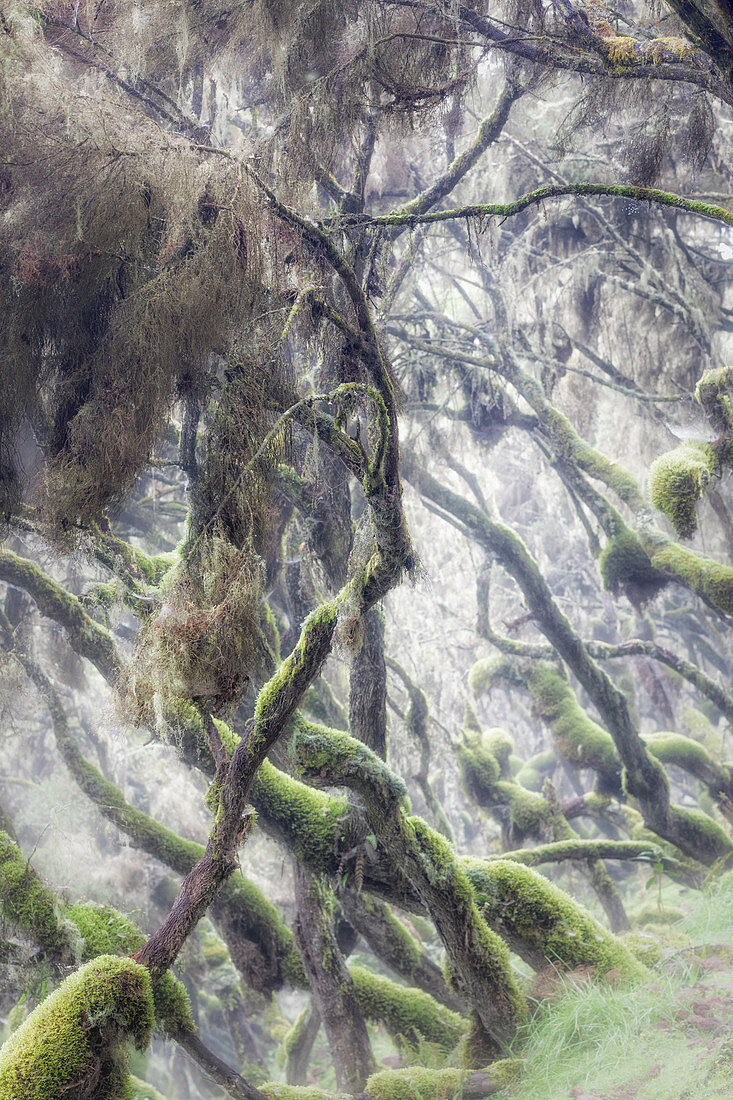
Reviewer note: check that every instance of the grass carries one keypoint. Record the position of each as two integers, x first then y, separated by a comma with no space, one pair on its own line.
644,1041
711,921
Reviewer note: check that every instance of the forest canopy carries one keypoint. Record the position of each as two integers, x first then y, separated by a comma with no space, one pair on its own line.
366,562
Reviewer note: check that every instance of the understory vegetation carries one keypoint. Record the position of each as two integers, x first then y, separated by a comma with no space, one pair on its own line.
366,550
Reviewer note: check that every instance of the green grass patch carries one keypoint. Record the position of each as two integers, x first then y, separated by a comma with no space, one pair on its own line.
667,1038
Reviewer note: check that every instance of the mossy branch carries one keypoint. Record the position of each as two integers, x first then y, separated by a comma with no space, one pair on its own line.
277,701
416,723
481,211
645,779
87,638
241,905
478,959
632,850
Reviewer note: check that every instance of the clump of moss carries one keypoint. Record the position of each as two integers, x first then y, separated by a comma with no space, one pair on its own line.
408,1014
708,578
542,923
625,564
479,766
533,771
484,757
26,903
415,1083
105,931
277,1091
658,914
75,1039
305,818
581,741
485,674
678,479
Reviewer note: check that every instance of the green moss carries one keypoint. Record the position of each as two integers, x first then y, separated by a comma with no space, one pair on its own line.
485,674
328,752
408,1014
105,931
573,447
293,1038
658,914
540,921
253,916
420,1083
625,564
307,820
141,1090
415,1083
446,873
500,745
645,947
533,772
710,580
703,835
678,479
86,637
104,595
528,810
483,757
320,621
78,1035
479,767
405,954
711,383
581,741
26,903
505,1071
277,1091
675,748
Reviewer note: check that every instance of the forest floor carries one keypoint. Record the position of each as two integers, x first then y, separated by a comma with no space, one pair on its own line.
670,1038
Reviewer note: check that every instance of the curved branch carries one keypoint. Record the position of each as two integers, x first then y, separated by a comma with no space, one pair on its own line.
479,211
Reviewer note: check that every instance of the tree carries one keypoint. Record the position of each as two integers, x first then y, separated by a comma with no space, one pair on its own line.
252,260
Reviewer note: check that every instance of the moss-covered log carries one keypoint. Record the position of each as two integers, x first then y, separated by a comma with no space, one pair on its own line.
75,1039
541,923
